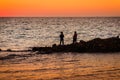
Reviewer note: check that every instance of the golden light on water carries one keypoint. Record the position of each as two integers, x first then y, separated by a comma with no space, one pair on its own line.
62,66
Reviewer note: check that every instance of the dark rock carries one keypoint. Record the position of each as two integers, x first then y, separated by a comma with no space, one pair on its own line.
95,45
9,50
54,45
82,42
11,56
42,50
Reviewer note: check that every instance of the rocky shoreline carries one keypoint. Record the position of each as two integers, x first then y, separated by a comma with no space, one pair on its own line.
96,45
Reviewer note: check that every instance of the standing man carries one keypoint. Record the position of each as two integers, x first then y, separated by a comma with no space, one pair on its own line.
75,37
61,38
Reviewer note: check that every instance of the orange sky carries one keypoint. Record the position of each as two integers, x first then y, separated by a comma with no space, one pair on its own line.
59,8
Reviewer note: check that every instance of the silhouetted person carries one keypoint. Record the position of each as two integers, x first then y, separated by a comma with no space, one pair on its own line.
75,37
61,38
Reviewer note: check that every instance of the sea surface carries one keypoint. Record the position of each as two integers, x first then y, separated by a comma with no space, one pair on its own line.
23,33
59,66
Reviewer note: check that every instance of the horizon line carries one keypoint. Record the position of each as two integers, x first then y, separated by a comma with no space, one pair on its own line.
57,16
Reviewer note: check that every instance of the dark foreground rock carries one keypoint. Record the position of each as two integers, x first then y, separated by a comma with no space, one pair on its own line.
95,45
13,56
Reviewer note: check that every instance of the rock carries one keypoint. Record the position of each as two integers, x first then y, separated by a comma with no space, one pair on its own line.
96,45
54,45
9,50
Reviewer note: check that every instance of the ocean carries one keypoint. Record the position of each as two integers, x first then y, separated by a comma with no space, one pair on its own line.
22,33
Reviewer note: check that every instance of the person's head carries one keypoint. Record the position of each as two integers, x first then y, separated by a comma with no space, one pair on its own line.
75,32
61,32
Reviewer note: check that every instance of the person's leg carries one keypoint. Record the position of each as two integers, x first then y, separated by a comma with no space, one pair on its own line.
73,40
60,42
63,42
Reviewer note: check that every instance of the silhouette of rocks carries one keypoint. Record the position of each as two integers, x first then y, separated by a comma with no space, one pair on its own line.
12,56
9,50
96,45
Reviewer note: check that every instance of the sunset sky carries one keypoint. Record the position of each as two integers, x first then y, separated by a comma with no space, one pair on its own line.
63,8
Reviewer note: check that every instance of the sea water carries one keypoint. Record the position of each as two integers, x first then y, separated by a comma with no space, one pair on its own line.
59,66
22,33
